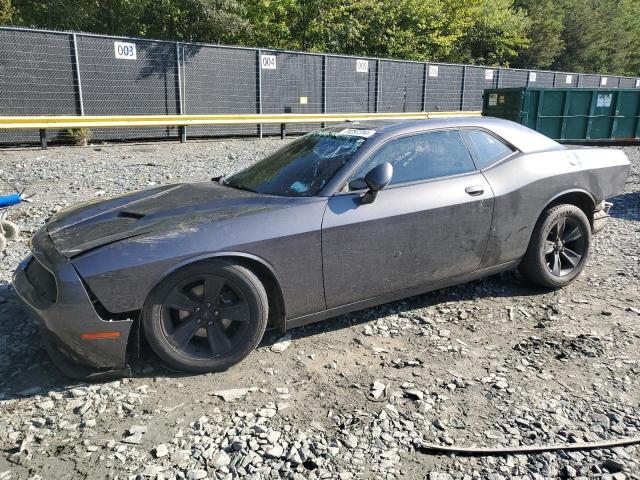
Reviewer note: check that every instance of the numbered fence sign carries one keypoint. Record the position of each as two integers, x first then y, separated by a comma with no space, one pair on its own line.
569,79
488,74
603,81
268,62
533,76
362,66
124,50
637,82
433,70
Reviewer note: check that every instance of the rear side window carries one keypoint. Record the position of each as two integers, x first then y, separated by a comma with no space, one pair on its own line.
488,149
420,157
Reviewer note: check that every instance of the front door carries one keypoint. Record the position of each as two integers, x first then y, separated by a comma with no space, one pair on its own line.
432,222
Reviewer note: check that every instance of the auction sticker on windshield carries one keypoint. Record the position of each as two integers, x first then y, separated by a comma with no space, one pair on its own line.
357,132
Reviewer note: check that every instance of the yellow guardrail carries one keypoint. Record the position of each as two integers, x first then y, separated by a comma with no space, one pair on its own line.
108,121
44,123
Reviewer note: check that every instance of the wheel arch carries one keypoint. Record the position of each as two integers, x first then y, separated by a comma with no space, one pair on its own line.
578,197
260,267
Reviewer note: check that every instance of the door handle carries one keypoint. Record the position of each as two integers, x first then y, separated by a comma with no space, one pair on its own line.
475,190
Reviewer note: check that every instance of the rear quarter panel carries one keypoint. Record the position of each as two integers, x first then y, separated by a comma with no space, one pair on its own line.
526,184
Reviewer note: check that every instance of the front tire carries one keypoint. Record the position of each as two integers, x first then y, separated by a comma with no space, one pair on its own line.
559,247
206,317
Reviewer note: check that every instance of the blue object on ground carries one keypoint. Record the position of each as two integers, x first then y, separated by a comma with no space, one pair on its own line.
9,200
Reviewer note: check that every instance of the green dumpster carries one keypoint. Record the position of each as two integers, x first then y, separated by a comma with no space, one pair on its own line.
570,114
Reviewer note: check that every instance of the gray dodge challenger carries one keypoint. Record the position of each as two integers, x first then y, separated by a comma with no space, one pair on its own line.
338,220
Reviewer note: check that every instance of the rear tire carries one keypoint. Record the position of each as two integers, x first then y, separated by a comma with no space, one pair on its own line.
206,317
559,247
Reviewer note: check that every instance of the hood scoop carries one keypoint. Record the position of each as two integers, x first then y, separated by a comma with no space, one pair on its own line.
131,215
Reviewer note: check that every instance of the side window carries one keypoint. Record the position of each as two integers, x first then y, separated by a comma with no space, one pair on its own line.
487,147
420,157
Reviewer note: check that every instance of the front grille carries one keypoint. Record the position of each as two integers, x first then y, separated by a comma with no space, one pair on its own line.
43,283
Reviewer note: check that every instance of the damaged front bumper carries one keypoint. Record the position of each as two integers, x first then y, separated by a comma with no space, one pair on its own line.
601,215
81,344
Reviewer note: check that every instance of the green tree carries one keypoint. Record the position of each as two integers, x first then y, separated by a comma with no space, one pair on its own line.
214,21
6,12
194,20
544,33
496,35
270,22
625,58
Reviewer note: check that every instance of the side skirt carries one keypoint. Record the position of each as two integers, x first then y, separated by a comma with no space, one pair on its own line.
391,297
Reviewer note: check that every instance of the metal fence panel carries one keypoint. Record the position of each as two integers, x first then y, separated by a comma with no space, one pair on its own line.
402,88
39,75
511,78
628,82
589,81
566,80
147,84
476,80
543,79
293,86
444,87
219,80
36,78
349,90
607,81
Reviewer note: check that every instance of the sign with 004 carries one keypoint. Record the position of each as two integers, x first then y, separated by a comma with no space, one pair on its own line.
125,50
268,62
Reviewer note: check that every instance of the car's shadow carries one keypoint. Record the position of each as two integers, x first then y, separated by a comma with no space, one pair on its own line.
25,369
508,284
626,206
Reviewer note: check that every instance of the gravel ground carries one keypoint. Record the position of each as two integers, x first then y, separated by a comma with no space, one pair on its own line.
491,363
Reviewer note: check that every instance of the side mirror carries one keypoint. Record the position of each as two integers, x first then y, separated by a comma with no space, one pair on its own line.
377,178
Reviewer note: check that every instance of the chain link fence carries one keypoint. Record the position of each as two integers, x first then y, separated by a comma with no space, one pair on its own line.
65,73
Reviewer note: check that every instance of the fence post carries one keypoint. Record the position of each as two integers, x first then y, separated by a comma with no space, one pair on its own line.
464,86
579,83
76,64
499,79
555,79
43,139
182,128
378,84
259,87
424,85
324,87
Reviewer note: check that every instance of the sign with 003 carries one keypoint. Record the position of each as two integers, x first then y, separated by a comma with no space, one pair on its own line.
125,50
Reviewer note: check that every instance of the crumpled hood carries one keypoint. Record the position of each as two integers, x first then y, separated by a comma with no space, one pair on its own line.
168,208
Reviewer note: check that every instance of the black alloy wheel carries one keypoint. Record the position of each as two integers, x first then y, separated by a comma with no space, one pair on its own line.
559,247
206,317
564,246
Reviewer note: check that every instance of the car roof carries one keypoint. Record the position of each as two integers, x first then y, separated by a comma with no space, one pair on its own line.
521,137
